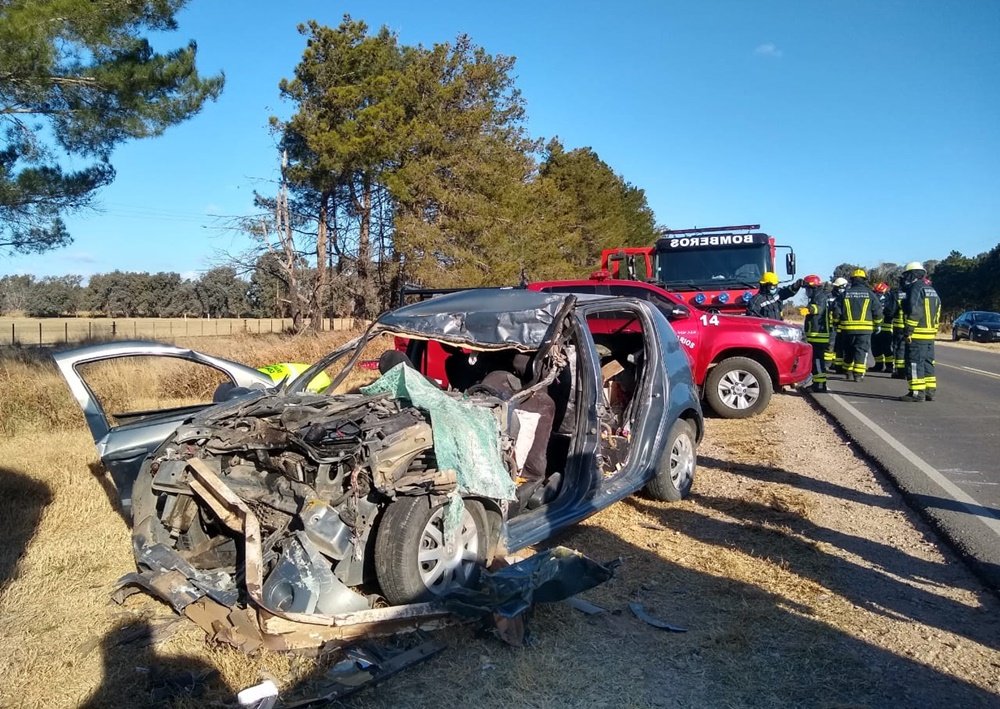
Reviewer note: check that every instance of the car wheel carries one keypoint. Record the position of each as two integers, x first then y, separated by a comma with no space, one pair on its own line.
738,387
412,560
675,473
954,334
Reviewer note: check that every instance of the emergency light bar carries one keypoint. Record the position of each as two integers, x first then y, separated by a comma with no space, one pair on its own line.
709,229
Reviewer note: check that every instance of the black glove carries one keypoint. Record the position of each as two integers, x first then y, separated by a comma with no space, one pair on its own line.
798,284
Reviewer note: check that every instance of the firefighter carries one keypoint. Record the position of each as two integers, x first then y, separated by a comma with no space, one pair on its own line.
898,332
767,302
837,342
882,342
820,313
860,317
922,310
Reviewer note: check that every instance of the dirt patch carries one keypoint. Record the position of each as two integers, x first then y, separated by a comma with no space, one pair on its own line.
801,576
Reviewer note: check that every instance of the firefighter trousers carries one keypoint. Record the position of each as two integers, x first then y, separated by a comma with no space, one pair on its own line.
856,351
899,350
920,366
820,352
841,346
882,350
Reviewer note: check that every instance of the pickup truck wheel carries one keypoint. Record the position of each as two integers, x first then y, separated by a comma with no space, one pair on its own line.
412,560
738,387
675,473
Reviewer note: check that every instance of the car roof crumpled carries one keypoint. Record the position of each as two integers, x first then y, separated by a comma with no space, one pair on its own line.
487,317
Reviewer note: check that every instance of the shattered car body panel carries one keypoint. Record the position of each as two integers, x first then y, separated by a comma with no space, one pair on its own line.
123,448
330,517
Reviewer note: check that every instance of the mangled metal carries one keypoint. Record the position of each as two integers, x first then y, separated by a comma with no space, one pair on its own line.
290,520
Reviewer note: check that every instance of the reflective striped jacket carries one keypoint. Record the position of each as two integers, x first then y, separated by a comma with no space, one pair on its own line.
898,321
860,310
823,312
923,311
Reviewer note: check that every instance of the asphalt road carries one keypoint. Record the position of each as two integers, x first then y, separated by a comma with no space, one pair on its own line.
945,454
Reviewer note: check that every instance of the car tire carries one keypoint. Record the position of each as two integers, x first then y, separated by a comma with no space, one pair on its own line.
738,387
954,335
675,473
411,527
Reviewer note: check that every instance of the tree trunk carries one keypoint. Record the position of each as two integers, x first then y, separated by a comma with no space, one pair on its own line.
320,292
365,250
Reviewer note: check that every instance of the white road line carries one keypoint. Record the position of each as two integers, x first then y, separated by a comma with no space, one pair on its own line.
968,369
976,509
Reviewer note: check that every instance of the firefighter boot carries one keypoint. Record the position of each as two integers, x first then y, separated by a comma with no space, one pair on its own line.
929,394
819,388
914,397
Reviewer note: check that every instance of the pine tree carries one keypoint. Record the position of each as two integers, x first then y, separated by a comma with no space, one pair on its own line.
78,78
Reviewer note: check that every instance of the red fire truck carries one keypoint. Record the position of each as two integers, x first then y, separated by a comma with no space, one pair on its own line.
714,268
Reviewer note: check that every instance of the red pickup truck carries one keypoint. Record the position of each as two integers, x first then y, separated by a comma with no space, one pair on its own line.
737,361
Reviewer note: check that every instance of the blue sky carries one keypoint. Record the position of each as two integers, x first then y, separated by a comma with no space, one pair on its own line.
855,130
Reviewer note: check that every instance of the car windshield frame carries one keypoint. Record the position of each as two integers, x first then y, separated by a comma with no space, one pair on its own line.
438,319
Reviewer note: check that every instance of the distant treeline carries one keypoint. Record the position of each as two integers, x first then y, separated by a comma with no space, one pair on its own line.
218,293
963,282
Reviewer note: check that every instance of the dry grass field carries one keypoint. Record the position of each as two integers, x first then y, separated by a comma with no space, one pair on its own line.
801,576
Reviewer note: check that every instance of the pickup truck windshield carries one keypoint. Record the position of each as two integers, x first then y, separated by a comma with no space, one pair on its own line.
712,266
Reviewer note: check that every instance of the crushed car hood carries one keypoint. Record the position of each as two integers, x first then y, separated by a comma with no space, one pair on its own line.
485,318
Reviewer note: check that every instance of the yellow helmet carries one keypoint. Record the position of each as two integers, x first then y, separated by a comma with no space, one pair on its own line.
769,279
859,273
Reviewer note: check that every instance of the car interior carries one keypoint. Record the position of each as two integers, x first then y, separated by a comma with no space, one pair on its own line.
620,345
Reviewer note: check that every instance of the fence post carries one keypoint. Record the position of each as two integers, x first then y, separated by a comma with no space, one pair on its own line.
90,329
39,333
66,332
13,340
135,328
114,329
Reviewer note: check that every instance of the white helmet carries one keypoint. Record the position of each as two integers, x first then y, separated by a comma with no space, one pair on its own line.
840,282
913,266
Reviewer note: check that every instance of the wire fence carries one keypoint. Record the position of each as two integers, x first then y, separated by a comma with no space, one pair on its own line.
54,331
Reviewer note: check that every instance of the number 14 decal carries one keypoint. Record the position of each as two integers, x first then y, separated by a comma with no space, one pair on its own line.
706,320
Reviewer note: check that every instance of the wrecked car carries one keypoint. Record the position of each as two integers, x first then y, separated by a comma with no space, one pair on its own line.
347,513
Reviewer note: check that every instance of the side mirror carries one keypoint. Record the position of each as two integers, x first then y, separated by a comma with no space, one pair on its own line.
790,263
677,311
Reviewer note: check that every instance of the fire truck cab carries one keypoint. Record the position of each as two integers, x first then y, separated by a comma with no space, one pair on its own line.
714,268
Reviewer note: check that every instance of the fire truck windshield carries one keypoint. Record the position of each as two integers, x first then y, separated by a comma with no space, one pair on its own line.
739,266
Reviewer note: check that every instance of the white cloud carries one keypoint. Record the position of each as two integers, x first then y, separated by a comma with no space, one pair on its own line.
768,49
